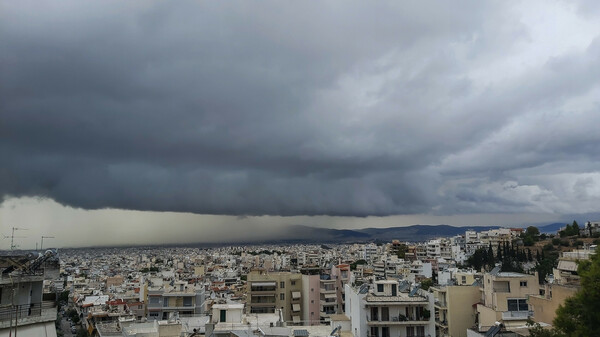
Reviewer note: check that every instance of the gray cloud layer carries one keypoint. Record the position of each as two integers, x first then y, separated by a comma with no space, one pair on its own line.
345,108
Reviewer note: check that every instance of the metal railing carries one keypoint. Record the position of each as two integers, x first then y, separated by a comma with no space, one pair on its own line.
24,310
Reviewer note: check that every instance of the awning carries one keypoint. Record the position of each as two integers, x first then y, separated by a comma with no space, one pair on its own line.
295,294
295,307
264,284
296,319
330,295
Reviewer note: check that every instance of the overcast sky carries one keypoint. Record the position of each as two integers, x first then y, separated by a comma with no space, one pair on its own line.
216,116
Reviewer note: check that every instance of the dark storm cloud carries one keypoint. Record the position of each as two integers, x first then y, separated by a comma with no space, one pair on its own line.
246,108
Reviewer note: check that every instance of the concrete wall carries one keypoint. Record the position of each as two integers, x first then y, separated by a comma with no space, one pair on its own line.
544,309
461,314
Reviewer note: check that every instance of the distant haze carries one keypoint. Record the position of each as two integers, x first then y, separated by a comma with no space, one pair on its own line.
337,114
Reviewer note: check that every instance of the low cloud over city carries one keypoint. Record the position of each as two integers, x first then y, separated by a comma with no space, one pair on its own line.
350,109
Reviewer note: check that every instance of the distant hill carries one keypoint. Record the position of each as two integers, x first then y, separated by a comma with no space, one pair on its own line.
551,228
306,234
419,232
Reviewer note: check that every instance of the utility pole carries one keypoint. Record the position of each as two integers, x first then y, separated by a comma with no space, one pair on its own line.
12,237
45,237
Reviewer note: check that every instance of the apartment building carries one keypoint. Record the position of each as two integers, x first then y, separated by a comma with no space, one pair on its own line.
341,273
454,311
177,297
267,292
328,299
505,299
390,312
565,284
24,308
370,251
310,297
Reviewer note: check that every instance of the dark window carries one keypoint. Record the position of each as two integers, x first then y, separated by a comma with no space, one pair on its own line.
282,284
523,283
282,296
518,304
385,314
380,288
374,314
385,331
293,283
223,316
410,331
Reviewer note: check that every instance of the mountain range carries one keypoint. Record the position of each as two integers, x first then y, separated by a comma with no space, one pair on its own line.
301,234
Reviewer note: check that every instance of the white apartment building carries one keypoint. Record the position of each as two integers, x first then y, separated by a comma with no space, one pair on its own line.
384,311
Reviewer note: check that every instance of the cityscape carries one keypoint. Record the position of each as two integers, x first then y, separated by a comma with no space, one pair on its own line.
286,169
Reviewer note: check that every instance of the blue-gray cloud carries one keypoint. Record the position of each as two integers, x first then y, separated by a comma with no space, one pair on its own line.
347,108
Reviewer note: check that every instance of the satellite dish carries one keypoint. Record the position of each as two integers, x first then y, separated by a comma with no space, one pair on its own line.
212,295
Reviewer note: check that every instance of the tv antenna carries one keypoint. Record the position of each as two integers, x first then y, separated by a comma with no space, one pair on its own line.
12,237
42,243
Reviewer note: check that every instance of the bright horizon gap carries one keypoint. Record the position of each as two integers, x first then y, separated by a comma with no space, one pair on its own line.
73,227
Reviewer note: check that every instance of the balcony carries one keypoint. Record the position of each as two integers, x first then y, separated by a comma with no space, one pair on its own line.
397,320
516,315
440,304
27,314
442,324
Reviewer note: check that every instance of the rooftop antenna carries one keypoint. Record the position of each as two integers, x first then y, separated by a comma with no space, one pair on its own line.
42,243
12,237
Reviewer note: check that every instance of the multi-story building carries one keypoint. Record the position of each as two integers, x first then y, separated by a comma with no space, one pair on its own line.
341,273
310,297
454,311
565,284
24,308
370,251
390,312
267,292
178,297
504,298
328,300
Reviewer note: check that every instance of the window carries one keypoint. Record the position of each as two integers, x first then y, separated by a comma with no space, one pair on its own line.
410,331
385,331
282,296
223,316
282,284
420,331
523,283
293,283
312,289
312,301
464,279
380,288
517,304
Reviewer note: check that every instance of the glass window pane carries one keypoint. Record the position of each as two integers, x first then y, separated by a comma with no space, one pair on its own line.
513,305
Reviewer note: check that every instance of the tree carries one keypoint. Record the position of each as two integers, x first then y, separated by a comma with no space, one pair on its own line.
532,231
575,228
490,257
579,315
426,283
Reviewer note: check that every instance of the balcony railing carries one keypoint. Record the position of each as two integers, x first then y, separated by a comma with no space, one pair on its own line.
516,315
25,310
27,314
396,319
